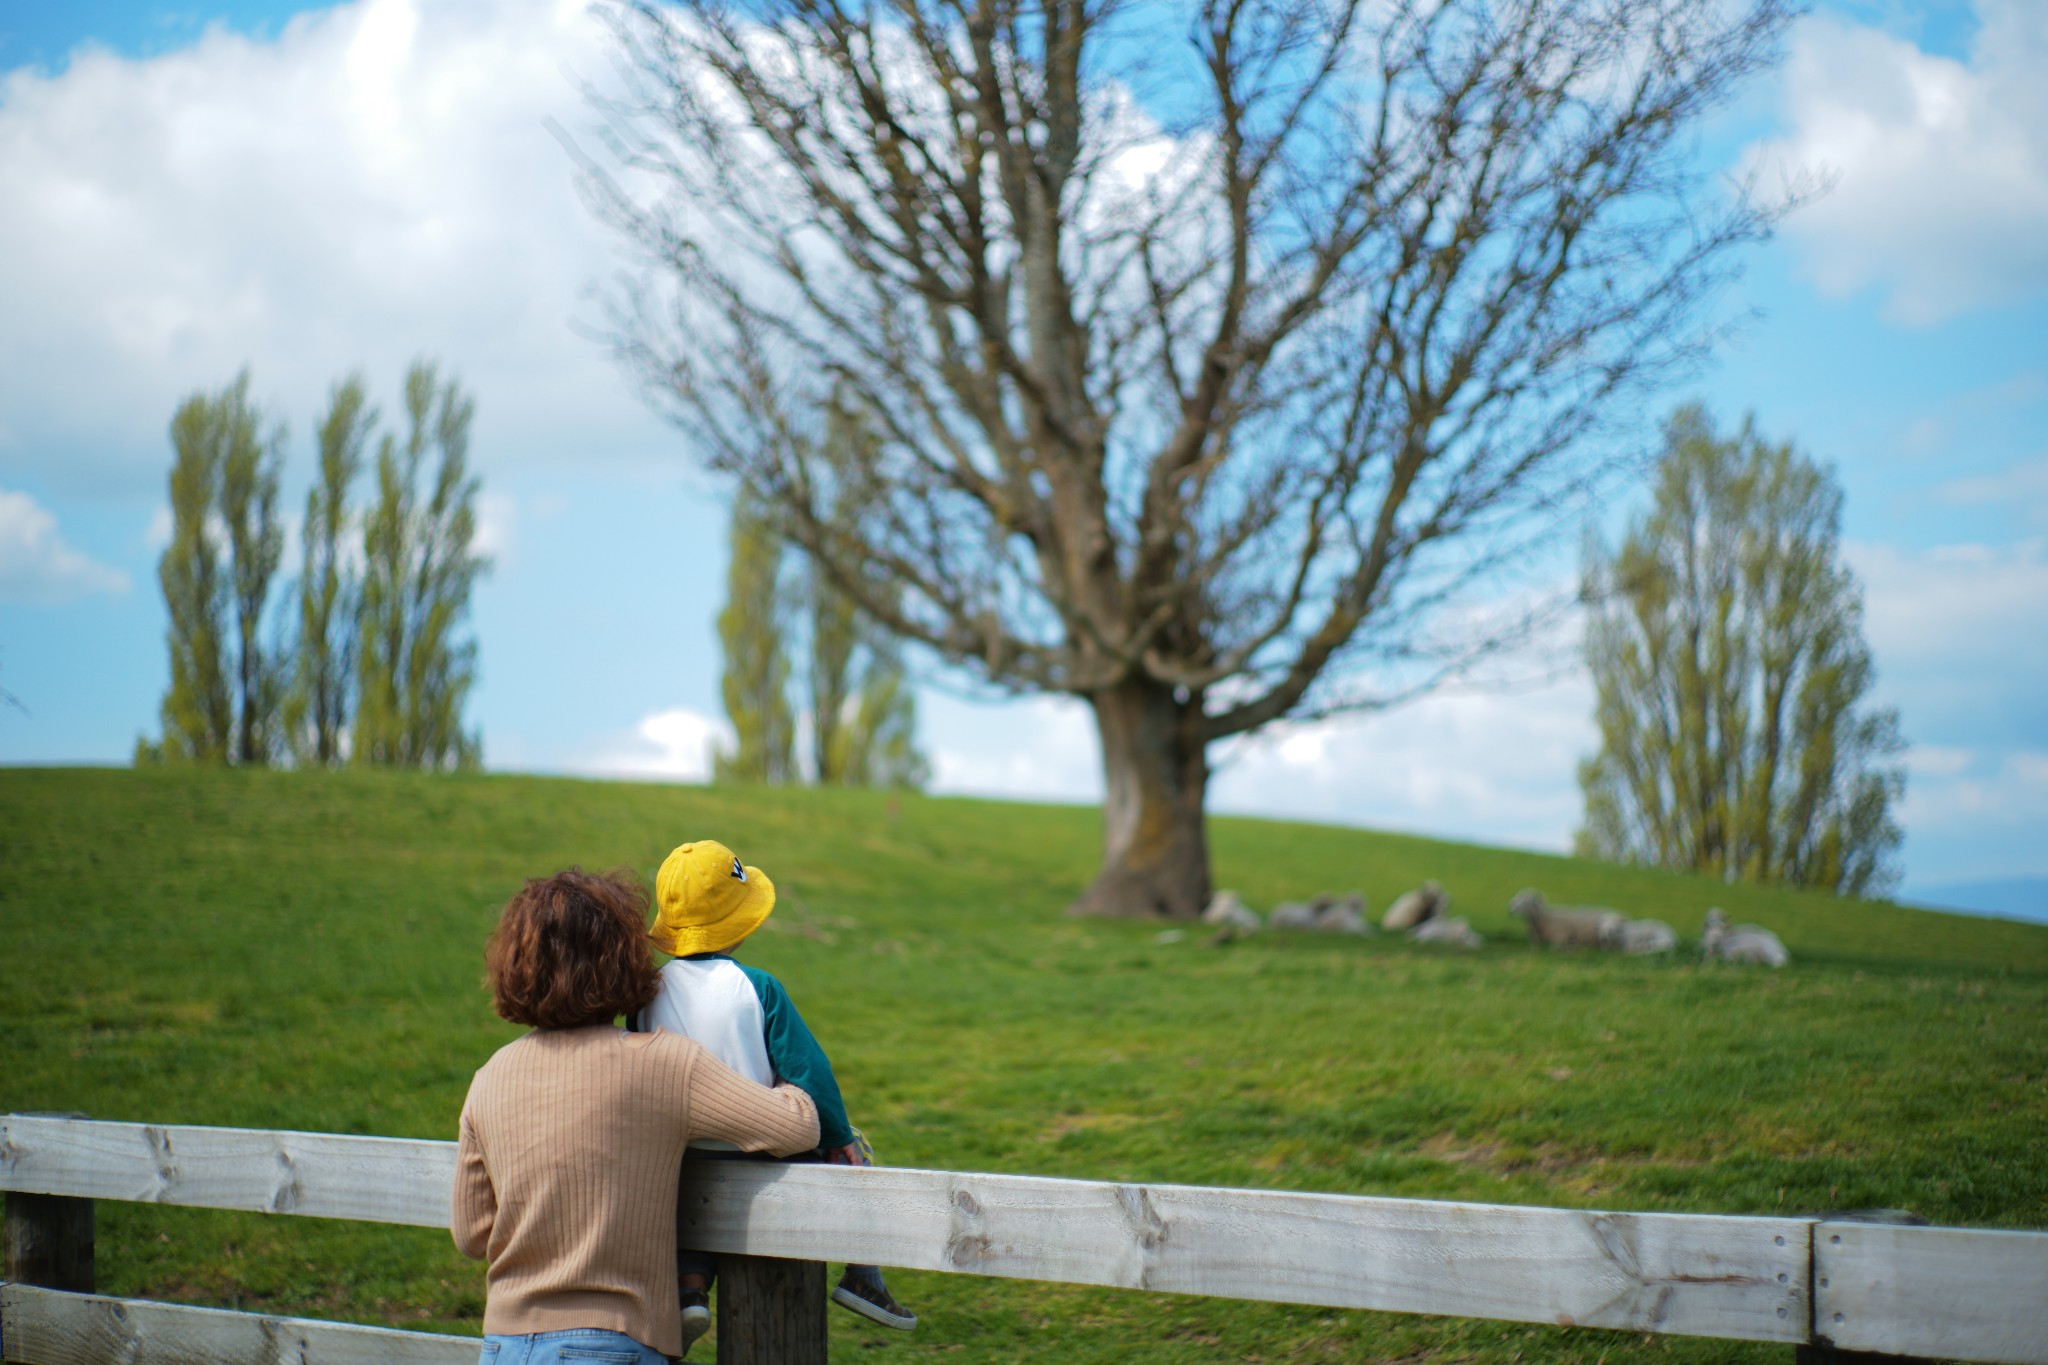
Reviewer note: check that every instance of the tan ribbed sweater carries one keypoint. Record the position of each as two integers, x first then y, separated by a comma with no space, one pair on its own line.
566,1175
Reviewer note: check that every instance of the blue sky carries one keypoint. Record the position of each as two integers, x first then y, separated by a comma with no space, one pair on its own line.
311,190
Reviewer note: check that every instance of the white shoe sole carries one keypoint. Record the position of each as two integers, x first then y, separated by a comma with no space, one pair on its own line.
696,1322
873,1312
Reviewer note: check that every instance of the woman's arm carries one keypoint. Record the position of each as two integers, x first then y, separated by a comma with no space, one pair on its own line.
473,1209
726,1105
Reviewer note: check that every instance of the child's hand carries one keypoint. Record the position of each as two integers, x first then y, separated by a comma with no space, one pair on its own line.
849,1155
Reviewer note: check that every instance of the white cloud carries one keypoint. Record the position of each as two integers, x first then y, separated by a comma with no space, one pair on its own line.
1972,791
1975,813
1937,761
1496,767
374,183
1492,767
497,519
1941,196
674,745
2021,489
157,535
1956,632
35,563
1041,749
1956,612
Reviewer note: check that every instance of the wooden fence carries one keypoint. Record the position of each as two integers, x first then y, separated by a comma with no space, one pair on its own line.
1831,1287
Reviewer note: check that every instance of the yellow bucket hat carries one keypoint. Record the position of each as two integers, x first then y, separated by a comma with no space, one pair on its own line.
705,900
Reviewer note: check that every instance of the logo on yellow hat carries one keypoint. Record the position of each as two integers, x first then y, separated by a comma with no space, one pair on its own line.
706,900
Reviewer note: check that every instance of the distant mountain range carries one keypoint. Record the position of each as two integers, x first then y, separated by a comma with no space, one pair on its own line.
2009,897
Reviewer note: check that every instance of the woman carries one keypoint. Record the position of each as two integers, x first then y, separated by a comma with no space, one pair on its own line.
573,1135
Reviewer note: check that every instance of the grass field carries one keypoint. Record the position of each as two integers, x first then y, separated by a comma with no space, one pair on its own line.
281,950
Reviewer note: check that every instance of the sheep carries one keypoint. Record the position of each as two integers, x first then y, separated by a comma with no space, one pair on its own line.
1228,909
1292,915
1442,929
1345,916
1640,937
1749,943
1552,926
1426,902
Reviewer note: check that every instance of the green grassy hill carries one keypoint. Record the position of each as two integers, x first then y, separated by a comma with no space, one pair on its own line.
304,951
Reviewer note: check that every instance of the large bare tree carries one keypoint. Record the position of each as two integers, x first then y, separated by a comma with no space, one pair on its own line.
1214,347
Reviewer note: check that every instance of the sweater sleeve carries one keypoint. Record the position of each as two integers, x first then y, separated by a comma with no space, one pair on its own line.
473,1205
797,1058
781,1120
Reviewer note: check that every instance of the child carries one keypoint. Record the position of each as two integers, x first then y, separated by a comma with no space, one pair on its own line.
706,903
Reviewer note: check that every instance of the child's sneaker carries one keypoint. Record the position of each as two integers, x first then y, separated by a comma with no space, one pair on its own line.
696,1316
861,1289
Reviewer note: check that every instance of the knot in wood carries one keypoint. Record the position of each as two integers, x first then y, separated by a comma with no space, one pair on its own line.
1148,1229
1617,1238
160,1154
967,1245
286,1197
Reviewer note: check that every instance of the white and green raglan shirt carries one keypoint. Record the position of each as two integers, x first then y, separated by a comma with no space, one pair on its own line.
743,1017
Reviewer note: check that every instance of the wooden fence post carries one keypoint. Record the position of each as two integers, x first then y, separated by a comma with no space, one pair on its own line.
49,1237
771,1311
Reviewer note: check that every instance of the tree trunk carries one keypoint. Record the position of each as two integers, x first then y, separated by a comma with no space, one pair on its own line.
1155,857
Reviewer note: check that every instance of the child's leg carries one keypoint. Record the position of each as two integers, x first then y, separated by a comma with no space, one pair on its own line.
695,1271
861,1288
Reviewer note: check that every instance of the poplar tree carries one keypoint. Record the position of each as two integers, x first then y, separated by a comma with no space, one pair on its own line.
863,709
862,705
835,638
248,509
751,630
222,702
1726,647
413,667
881,740
197,710
317,711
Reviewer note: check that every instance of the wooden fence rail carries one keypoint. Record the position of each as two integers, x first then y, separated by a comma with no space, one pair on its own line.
1958,1293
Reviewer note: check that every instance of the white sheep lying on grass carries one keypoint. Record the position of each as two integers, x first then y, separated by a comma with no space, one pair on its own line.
1425,902
1723,942
1553,926
1292,915
1342,915
1640,937
1447,929
1229,910
1326,914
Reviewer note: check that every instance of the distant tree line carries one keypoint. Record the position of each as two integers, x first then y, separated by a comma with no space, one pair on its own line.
795,642
373,666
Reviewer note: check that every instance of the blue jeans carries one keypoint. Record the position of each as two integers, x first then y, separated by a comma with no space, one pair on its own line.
575,1346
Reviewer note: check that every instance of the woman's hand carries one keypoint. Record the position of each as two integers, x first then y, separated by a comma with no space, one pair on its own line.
849,1155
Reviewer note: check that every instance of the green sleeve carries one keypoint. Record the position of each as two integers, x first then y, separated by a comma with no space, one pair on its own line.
797,1058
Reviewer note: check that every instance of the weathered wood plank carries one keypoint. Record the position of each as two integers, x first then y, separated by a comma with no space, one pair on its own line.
1742,1278
50,1327
370,1179
1955,1293
1659,1272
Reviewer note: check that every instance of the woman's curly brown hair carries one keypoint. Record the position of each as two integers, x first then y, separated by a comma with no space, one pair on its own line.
571,950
